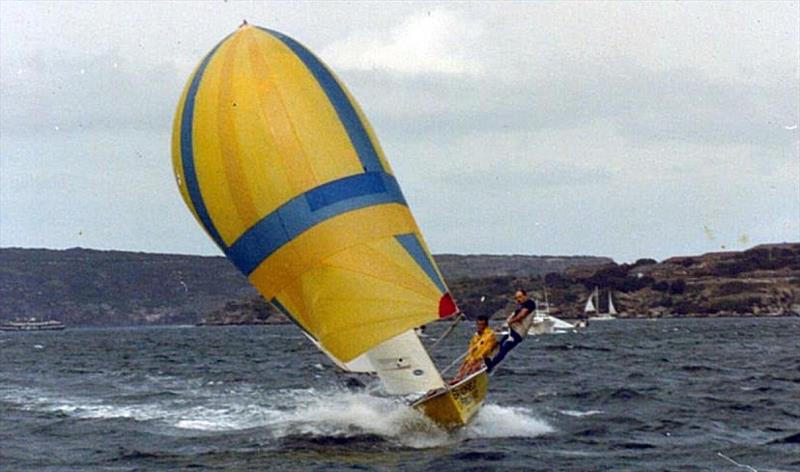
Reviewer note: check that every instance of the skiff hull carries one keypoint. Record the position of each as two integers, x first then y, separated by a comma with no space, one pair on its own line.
453,406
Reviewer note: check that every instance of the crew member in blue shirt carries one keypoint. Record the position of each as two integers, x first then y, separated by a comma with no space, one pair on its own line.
518,324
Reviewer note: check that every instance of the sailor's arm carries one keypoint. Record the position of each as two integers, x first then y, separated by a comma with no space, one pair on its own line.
519,316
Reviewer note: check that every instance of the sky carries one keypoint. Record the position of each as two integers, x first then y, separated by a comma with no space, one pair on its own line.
626,130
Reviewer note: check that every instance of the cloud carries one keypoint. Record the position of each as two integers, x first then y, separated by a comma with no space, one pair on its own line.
70,90
434,42
560,191
102,189
560,128
643,106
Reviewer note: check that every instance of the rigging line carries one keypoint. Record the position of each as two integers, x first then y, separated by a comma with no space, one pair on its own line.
744,466
461,317
454,362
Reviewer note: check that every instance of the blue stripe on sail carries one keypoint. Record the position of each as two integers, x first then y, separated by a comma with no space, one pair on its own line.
341,103
187,152
308,210
343,189
415,249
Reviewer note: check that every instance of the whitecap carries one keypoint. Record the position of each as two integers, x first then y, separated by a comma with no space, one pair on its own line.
346,414
580,414
281,413
497,421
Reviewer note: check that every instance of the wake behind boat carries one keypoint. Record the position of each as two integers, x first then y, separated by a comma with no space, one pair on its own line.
279,165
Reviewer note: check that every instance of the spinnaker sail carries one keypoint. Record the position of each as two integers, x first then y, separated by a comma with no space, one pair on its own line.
279,165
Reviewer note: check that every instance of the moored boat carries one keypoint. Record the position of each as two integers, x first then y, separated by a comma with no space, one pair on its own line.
32,324
545,323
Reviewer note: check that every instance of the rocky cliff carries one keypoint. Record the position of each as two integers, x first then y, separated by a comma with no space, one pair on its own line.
99,288
86,287
107,288
762,281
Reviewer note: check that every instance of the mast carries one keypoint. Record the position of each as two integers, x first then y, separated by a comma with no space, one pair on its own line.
597,299
546,301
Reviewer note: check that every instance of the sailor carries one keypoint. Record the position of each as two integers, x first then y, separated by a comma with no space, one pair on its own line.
518,324
482,344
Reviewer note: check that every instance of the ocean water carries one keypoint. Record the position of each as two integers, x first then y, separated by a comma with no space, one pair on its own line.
673,395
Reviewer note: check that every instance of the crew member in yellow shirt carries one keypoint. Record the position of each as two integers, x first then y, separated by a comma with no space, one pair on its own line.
481,345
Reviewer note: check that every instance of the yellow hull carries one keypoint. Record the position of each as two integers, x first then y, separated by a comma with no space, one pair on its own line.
455,405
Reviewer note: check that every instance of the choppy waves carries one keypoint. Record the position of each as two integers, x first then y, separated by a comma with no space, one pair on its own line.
284,413
665,395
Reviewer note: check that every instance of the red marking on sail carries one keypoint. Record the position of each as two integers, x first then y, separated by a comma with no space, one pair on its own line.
447,306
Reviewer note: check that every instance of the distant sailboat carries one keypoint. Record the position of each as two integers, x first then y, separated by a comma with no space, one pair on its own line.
592,308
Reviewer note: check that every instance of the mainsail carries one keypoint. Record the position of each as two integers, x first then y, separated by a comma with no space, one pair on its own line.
590,308
611,309
279,165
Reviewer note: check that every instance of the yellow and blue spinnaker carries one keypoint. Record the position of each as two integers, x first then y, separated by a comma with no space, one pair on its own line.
278,163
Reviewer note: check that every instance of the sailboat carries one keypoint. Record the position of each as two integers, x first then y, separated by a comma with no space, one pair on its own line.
592,308
545,323
279,165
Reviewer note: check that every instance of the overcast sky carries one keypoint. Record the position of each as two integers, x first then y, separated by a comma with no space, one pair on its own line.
626,130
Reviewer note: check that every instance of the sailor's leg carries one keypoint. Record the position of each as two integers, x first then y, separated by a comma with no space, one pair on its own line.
508,343
488,360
